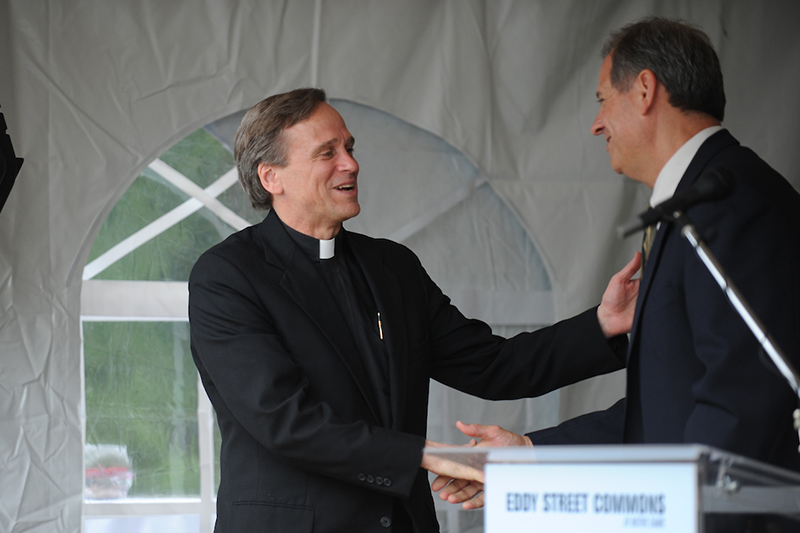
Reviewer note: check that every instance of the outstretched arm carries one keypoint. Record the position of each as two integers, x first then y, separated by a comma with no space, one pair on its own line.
615,312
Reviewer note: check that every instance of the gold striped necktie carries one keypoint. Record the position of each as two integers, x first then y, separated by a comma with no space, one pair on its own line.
647,242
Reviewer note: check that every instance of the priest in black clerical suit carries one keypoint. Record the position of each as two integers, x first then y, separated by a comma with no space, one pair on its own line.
316,346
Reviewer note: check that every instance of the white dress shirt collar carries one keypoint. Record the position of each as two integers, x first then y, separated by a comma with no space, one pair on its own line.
671,174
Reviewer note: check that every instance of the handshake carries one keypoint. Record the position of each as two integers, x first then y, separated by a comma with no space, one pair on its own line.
461,483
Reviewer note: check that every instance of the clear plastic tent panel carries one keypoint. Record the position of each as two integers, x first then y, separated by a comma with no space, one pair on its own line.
144,524
141,410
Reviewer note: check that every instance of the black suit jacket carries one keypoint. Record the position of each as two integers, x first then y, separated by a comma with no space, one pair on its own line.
695,373
303,445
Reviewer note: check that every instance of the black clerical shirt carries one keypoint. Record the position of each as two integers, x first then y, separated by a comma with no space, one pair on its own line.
350,290
348,285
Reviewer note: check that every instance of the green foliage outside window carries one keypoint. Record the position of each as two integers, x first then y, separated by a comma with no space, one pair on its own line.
141,392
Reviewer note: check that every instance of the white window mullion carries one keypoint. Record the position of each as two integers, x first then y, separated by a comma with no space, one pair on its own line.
205,420
142,507
200,198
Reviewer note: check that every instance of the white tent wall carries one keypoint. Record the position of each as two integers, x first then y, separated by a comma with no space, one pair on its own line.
93,90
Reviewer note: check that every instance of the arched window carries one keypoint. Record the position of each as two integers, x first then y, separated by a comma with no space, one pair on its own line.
151,441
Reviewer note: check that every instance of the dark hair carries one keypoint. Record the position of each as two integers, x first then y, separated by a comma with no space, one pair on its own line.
679,54
260,138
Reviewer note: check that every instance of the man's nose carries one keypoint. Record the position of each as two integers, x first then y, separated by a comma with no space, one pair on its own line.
597,126
348,163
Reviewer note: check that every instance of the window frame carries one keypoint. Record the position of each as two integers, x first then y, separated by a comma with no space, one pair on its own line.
159,301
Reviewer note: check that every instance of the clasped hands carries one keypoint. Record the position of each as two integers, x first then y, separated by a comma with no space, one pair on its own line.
460,483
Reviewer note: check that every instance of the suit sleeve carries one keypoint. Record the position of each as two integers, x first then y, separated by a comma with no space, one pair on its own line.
257,384
600,427
467,356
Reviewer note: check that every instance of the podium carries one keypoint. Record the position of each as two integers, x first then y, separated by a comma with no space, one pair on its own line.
631,488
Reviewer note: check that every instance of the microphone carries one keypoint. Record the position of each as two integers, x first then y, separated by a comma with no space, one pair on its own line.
714,184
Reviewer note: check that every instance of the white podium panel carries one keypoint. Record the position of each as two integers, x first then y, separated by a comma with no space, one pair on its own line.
602,498
648,488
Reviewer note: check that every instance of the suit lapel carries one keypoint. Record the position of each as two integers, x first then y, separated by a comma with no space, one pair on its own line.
303,283
647,279
388,296
710,148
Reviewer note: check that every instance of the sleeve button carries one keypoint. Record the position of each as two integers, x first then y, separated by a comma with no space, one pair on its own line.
386,521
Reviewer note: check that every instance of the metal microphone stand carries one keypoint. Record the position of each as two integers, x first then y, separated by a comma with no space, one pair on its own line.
740,304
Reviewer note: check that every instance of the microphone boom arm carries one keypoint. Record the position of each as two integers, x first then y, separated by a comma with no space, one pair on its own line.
742,307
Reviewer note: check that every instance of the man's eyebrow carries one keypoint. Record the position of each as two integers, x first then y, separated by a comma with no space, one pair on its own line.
324,146
327,144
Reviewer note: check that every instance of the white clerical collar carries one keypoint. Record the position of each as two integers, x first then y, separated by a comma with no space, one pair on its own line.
327,248
311,245
671,174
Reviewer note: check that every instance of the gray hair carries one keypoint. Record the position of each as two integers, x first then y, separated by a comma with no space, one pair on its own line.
260,138
681,57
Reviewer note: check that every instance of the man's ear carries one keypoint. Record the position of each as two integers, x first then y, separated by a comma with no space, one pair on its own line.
646,84
269,179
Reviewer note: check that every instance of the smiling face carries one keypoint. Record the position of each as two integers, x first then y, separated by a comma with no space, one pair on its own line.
618,121
317,190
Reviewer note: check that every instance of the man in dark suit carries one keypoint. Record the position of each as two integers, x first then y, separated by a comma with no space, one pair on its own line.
316,345
695,372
